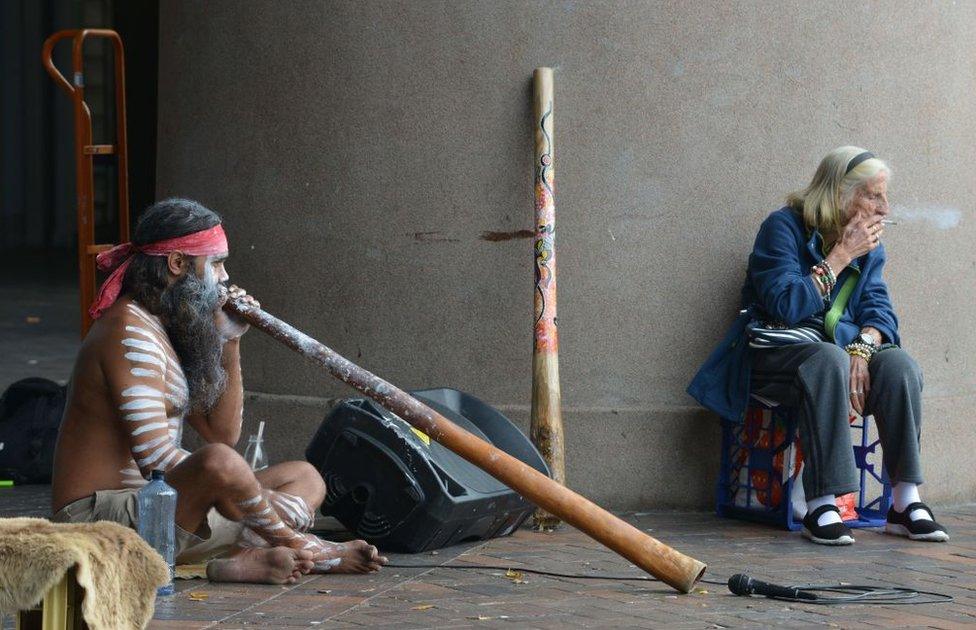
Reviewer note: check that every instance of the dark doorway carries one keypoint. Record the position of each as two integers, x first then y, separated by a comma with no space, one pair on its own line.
39,309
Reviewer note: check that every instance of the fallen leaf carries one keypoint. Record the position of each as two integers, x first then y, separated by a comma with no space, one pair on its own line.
423,607
515,577
198,596
701,591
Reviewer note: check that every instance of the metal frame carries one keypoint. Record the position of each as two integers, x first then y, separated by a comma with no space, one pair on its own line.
86,150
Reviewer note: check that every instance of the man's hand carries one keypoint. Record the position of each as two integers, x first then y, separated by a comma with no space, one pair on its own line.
230,326
860,383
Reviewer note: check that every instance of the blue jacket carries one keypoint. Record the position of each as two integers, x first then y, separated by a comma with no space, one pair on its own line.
779,288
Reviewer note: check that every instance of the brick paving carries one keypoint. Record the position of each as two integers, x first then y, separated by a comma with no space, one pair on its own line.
443,597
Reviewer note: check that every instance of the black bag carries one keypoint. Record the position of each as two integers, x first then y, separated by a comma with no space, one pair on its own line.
30,415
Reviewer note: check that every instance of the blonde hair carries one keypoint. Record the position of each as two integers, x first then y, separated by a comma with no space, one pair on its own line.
824,201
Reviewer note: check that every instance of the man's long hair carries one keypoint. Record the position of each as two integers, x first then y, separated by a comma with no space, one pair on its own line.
186,307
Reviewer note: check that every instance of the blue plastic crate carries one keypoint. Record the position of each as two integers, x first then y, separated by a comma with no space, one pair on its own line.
750,487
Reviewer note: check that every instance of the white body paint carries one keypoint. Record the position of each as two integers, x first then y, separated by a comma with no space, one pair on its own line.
142,403
327,565
264,525
147,346
294,509
264,521
142,357
144,415
142,391
149,427
153,407
155,402
249,503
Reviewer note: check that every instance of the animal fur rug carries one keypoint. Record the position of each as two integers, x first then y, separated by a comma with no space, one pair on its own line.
117,569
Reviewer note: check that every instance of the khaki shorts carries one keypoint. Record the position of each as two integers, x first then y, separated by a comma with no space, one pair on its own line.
213,539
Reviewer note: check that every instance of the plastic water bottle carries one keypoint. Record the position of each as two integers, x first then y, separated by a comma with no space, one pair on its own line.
157,521
254,453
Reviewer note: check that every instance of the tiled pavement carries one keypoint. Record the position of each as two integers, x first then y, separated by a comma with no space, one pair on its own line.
452,598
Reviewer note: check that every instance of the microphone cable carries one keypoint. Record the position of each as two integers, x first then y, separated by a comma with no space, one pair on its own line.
834,594
817,594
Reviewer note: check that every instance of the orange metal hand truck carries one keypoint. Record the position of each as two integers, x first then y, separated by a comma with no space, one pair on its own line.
86,150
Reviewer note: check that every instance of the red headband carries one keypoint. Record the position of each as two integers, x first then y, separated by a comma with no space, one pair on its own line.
204,243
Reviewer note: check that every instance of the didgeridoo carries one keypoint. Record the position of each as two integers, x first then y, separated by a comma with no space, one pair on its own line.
674,568
546,427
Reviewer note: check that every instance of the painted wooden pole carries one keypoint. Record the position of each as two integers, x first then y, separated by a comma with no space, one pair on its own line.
672,567
547,422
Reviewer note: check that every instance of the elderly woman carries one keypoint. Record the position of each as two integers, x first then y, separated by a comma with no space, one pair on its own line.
818,333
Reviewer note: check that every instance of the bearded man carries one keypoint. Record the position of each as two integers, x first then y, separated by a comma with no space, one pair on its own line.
162,351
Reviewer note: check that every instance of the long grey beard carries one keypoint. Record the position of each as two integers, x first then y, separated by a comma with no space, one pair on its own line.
188,308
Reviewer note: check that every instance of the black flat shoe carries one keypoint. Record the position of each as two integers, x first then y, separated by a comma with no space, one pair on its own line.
900,524
833,534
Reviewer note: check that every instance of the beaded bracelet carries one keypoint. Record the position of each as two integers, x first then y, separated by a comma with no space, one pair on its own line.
830,270
823,267
825,278
858,349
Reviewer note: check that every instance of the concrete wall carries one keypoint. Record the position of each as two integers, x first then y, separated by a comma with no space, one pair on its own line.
358,151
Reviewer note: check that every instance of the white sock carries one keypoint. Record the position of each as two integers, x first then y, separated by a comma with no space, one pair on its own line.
829,516
904,494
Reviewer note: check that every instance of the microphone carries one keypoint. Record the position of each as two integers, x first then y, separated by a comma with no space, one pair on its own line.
741,584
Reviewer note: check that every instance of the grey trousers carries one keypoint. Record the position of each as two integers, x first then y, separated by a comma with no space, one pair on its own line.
814,378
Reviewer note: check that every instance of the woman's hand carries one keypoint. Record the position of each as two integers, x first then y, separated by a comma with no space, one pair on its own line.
229,325
861,235
860,383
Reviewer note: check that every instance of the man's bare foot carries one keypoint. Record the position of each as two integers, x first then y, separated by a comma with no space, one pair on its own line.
267,565
356,556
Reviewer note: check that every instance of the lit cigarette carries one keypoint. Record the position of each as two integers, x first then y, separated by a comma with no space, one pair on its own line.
888,222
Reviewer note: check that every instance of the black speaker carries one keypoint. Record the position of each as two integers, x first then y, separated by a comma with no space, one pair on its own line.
401,491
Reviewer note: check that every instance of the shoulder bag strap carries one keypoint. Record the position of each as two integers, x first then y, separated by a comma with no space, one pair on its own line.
837,309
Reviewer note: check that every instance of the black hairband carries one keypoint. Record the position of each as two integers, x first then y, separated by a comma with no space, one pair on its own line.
857,159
